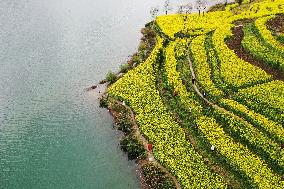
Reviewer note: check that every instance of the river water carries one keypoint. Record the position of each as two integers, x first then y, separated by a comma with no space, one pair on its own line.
53,135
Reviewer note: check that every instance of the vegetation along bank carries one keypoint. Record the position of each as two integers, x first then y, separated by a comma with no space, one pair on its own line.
201,103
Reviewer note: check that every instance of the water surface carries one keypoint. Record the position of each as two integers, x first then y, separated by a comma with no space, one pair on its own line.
52,133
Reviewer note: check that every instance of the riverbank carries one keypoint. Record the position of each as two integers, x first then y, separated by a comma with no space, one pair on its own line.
151,173
53,133
179,108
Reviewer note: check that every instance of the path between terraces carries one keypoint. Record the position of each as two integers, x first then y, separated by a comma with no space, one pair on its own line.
235,44
206,100
145,143
100,89
150,155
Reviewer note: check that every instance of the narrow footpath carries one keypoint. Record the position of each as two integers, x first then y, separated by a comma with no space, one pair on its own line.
141,138
209,102
144,141
100,90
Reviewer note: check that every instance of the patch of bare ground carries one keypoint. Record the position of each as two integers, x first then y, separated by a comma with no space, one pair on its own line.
235,44
276,24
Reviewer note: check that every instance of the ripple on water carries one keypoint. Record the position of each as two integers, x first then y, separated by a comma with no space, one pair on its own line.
52,133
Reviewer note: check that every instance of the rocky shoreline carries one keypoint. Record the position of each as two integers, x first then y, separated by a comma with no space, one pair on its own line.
150,172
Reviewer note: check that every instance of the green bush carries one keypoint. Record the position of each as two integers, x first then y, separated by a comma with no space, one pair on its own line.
136,59
124,68
280,38
124,124
156,178
142,46
103,102
133,147
111,77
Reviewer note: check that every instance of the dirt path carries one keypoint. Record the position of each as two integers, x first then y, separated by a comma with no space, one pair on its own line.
100,90
277,24
141,138
235,44
209,102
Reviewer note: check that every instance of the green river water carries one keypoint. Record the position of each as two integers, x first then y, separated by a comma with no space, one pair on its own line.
53,135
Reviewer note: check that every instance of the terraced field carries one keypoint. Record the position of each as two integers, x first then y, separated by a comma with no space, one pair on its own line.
214,118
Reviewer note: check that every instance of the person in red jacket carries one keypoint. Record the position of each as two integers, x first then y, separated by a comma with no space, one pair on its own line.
150,147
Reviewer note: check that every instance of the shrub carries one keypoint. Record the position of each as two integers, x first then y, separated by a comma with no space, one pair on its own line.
124,68
103,102
280,38
124,124
136,59
111,77
156,178
133,147
142,46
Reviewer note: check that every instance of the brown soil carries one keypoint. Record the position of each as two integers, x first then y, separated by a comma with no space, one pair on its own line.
235,43
276,24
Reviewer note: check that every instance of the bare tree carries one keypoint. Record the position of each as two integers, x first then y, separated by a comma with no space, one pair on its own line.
188,8
167,6
185,10
201,5
154,12
205,3
180,9
240,2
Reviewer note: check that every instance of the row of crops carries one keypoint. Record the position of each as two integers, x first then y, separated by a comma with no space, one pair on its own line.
242,123
259,41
